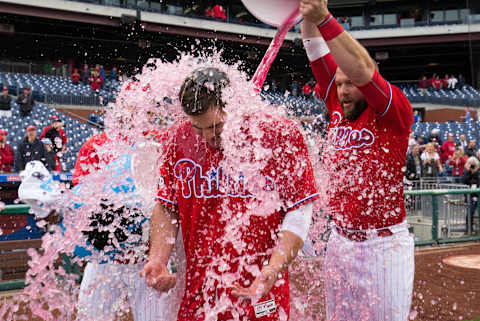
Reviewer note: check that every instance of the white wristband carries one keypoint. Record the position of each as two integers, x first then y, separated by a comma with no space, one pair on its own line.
298,221
316,48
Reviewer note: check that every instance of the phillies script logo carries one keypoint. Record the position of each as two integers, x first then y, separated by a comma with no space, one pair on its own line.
344,137
213,183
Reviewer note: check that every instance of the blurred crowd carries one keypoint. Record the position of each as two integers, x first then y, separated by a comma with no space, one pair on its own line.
47,148
429,158
95,76
448,82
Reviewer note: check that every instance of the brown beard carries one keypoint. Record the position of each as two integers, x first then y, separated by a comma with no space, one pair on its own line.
358,109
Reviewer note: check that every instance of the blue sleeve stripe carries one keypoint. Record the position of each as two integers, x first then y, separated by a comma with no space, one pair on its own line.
165,200
389,100
305,200
329,86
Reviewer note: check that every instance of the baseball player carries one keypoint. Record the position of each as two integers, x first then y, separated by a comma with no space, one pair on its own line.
370,262
245,278
106,285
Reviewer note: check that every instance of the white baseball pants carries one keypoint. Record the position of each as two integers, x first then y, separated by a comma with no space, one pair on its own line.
110,290
370,280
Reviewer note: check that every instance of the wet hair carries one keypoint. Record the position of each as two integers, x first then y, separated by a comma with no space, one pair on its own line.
202,89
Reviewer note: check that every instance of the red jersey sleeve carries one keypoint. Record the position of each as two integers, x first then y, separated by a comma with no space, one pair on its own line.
9,156
87,157
324,70
166,193
83,162
388,102
44,131
294,180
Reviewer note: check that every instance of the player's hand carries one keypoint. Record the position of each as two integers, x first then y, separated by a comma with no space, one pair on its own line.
314,11
158,277
260,287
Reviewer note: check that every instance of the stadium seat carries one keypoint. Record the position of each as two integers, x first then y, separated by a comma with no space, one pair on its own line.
76,131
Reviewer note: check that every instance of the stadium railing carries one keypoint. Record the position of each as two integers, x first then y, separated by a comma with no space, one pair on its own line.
93,100
439,213
383,21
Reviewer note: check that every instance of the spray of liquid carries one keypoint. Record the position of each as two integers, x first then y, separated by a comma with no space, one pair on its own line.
146,107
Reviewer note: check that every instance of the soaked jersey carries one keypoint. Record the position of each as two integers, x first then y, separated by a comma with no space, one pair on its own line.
223,245
365,157
88,158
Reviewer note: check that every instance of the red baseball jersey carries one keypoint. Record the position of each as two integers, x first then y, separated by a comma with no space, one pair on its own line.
366,157
88,157
208,199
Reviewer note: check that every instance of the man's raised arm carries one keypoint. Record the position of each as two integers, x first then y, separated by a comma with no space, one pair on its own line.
355,62
347,52
321,60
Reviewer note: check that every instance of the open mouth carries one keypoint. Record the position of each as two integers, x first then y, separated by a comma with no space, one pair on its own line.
347,103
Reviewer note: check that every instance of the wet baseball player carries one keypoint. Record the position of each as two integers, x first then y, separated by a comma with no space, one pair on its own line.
244,278
370,261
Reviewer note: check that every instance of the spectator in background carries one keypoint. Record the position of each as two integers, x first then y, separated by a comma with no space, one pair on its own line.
457,162
414,164
58,68
435,136
103,75
431,80
468,115
431,166
70,65
26,102
307,90
294,87
113,74
452,82
411,142
6,153
445,81
5,103
471,148
51,162
209,12
461,82
448,148
219,12
420,140
85,74
436,83
471,177
57,137
417,118
31,148
95,81
462,142
76,77
423,84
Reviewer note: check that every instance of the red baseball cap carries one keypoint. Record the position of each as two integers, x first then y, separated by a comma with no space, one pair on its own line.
3,132
53,117
5,88
31,127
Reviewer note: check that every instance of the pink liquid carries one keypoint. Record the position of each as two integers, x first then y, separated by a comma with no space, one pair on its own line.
272,51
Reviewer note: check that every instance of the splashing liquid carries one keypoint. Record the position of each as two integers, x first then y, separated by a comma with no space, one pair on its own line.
136,124
272,51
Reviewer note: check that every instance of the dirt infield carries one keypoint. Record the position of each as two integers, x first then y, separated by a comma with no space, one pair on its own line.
442,292
445,292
